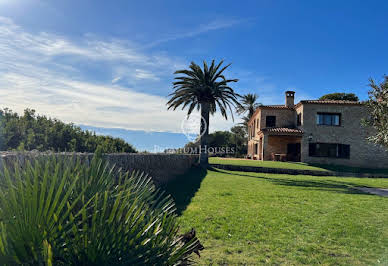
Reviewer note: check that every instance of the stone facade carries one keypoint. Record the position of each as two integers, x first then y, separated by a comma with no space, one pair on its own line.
161,167
350,132
285,117
297,124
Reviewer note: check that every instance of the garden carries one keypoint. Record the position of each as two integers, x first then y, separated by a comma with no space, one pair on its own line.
246,218
61,211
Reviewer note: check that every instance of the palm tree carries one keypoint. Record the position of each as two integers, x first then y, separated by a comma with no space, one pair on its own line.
248,105
204,90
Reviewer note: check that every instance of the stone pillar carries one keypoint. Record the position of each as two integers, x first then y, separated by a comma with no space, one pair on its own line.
265,156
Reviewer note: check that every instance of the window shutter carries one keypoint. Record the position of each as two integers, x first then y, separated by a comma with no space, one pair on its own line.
346,151
312,149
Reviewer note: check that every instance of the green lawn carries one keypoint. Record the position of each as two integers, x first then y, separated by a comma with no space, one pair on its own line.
271,164
296,165
255,218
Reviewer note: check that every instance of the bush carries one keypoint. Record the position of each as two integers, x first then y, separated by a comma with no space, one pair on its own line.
35,132
59,211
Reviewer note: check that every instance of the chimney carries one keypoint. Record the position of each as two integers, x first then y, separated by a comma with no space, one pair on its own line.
290,99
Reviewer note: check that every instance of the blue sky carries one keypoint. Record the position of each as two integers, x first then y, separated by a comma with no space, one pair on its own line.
109,64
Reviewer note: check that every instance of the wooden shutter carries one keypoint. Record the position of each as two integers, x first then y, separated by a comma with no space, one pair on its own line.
312,149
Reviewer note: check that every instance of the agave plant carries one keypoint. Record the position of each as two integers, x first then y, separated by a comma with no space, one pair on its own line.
59,211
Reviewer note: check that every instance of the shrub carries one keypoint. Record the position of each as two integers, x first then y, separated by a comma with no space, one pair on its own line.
59,211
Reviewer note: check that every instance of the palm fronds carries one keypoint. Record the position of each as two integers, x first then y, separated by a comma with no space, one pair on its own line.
248,104
195,86
59,211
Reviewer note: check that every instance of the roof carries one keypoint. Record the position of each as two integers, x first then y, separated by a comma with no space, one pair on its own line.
277,106
339,102
282,130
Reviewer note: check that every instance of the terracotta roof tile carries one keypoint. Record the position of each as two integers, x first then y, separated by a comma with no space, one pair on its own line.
276,106
282,130
328,102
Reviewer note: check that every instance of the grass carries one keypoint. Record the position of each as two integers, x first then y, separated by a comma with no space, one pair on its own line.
254,218
343,168
271,164
296,165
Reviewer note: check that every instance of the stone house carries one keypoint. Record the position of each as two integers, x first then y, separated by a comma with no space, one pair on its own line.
314,131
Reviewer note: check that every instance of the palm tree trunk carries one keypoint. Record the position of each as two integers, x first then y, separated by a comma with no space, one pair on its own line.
204,131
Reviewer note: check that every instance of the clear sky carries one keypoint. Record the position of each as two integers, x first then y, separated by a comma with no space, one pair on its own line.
110,63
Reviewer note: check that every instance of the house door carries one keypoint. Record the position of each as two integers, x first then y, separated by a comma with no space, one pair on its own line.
293,152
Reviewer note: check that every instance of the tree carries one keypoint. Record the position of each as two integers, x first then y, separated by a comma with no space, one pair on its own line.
378,111
248,104
204,90
236,137
240,138
35,132
340,96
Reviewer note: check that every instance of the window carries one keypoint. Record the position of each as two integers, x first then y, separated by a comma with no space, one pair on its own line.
270,121
328,119
299,119
329,150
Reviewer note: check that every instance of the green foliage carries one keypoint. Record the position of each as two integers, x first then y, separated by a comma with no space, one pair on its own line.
378,111
59,211
206,90
248,106
240,140
340,96
30,131
236,138
207,85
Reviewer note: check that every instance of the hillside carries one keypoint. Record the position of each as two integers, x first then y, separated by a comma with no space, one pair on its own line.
36,132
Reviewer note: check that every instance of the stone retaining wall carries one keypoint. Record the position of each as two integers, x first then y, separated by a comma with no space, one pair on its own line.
162,167
292,171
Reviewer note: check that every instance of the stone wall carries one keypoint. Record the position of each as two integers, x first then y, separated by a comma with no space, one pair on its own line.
162,167
284,117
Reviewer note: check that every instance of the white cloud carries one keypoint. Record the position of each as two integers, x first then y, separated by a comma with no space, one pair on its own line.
210,26
42,71
19,48
144,74
91,104
115,80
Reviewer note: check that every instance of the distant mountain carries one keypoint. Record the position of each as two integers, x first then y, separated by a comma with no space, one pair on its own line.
143,140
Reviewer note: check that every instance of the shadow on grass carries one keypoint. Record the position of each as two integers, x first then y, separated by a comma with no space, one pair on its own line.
334,186
184,187
350,169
